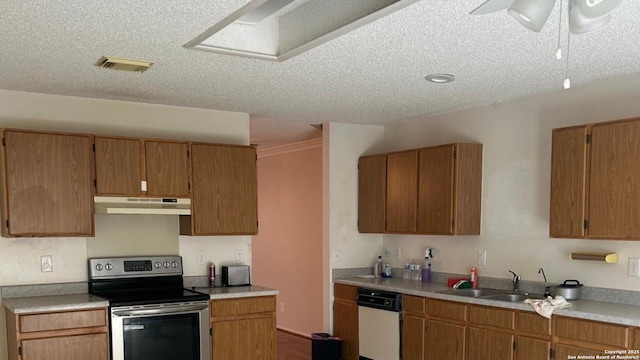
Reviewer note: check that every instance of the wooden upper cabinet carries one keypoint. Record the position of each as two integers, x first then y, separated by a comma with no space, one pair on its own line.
372,187
224,191
568,182
402,191
614,193
123,164
48,184
118,166
595,192
167,168
435,190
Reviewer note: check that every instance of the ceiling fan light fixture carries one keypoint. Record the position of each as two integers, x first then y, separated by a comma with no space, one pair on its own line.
579,24
532,14
594,9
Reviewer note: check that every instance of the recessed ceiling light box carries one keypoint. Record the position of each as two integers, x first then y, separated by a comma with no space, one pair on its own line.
280,29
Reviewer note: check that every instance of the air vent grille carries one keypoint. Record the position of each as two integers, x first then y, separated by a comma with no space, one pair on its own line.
115,63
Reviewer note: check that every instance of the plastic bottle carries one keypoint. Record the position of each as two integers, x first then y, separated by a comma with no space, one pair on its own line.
426,266
212,274
379,268
406,272
474,277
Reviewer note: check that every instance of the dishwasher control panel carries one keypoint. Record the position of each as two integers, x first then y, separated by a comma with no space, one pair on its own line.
384,300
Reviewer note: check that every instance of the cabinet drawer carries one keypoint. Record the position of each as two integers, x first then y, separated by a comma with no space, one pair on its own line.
492,317
345,292
414,304
592,332
243,306
447,310
533,323
63,320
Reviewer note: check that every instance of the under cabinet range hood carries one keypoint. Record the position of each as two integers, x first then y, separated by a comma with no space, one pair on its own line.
114,205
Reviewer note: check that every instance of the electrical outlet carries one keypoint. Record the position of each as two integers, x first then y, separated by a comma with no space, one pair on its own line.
239,256
46,263
634,267
482,257
201,256
398,252
335,255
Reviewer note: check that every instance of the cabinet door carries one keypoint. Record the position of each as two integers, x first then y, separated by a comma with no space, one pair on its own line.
86,347
372,189
244,339
488,344
345,326
568,182
167,168
445,341
224,193
614,194
49,184
413,337
565,351
118,166
402,190
435,190
532,349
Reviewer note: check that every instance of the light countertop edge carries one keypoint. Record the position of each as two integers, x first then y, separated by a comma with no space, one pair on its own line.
33,304
234,292
581,309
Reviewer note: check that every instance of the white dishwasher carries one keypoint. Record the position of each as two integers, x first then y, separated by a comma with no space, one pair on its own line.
379,324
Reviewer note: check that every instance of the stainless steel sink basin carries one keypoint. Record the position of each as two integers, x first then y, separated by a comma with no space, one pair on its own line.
512,297
478,292
493,294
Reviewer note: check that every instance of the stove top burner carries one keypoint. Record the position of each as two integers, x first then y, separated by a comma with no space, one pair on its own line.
140,281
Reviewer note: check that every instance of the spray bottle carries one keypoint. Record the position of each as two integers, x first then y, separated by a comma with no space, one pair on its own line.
426,266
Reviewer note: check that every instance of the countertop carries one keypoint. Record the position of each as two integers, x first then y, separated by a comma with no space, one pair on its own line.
33,304
583,309
237,291
23,305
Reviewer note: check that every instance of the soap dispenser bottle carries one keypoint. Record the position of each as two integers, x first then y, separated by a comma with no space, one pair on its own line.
426,266
379,267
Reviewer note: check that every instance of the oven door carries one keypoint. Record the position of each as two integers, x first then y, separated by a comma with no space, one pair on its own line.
161,332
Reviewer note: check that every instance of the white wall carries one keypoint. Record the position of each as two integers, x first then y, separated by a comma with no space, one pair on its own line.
19,258
516,181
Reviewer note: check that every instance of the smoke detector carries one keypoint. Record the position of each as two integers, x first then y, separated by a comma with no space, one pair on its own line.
116,63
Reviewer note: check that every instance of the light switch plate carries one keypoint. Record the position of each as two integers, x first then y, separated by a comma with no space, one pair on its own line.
482,257
239,256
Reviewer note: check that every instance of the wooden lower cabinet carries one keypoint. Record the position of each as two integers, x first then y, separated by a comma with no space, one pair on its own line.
528,348
63,335
345,320
444,341
489,344
85,347
244,328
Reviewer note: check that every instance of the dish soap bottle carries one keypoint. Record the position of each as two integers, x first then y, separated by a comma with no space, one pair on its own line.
474,277
426,266
378,268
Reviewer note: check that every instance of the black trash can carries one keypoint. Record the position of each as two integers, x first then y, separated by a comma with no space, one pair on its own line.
325,347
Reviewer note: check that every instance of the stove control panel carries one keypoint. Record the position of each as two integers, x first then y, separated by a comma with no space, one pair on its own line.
101,268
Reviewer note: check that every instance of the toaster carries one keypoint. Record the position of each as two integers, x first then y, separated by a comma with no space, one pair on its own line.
236,275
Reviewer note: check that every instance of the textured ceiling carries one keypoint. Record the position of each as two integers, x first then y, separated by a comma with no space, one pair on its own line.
373,75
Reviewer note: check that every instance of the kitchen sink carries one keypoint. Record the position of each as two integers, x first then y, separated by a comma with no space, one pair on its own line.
478,292
493,294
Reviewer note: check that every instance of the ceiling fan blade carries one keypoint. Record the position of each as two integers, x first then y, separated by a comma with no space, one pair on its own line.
490,6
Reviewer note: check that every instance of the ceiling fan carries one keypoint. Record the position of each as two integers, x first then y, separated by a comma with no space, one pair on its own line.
584,15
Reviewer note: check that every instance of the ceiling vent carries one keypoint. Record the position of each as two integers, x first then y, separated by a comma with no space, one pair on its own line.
278,30
115,63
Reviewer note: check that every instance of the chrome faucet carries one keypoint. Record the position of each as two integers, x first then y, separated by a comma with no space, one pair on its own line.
516,281
547,289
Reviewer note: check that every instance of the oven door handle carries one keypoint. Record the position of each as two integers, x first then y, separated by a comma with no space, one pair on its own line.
160,311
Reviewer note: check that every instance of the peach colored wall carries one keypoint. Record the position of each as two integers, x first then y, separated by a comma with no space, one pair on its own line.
287,252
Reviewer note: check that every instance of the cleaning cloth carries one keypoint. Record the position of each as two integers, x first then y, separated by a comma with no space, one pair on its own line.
545,307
